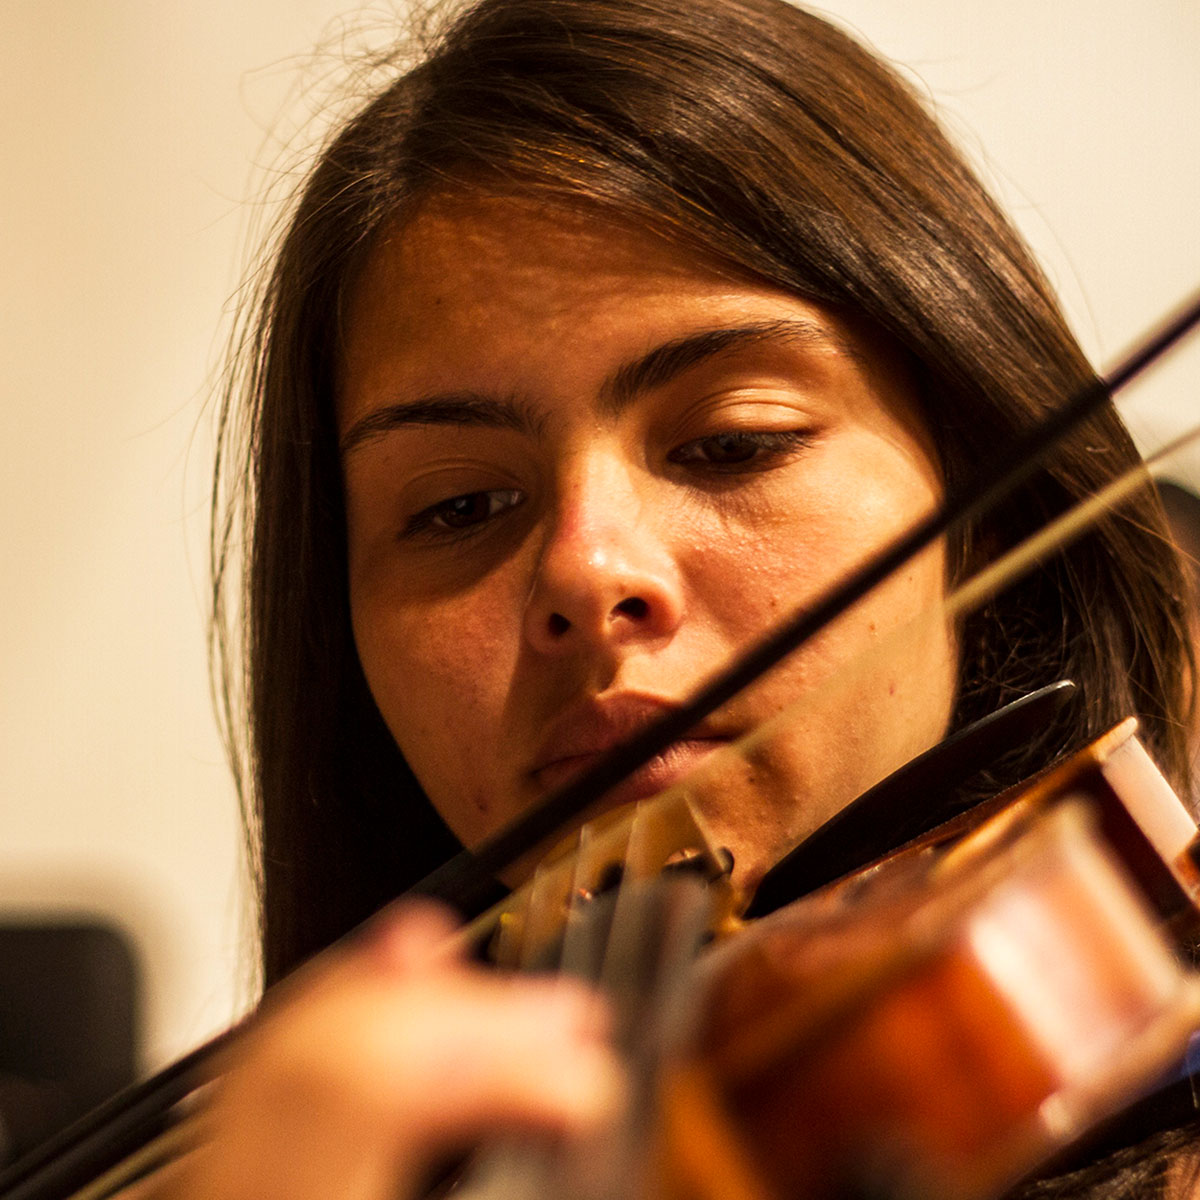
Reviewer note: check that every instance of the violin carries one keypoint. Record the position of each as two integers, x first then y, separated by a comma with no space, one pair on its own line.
1101,838
936,1025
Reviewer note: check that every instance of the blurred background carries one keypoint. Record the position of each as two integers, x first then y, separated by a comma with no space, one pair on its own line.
138,140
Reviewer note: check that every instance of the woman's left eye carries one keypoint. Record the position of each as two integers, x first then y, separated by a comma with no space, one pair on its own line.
738,451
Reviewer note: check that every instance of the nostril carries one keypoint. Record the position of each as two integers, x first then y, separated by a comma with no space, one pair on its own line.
558,624
634,607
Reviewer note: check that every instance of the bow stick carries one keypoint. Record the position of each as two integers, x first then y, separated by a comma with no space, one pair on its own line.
104,1137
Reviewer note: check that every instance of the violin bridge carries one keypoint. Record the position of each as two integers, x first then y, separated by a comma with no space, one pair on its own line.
640,841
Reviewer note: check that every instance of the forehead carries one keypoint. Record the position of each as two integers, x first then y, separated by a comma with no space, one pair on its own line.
519,295
478,264
512,239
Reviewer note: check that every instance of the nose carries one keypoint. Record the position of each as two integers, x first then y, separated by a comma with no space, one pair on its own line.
606,577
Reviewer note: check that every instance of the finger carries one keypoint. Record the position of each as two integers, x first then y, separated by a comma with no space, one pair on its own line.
411,935
389,1053
518,1055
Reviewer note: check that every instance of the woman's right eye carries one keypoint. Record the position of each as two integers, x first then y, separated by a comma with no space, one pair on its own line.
463,513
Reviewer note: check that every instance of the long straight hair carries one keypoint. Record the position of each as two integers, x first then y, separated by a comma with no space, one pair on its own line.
758,134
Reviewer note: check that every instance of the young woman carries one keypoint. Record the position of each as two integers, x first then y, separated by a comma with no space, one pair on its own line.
597,342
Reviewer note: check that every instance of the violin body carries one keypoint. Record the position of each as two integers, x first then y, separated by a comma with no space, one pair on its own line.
938,1025
952,1018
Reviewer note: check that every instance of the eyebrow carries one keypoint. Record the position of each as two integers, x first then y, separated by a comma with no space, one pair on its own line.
447,408
654,369
666,362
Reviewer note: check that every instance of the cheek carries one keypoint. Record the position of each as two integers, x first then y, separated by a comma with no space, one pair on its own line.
757,569
439,675
758,574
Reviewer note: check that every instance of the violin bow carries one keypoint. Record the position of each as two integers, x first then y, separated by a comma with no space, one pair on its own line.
101,1139
465,879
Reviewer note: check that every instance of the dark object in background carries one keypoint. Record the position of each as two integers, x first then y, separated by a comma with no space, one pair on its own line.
68,1026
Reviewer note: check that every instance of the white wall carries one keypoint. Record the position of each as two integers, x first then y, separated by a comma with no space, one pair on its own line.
130,129
129,132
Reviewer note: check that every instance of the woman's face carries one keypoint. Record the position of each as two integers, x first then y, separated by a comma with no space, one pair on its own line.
584,467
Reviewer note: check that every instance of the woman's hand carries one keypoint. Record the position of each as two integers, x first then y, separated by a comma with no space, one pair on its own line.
376,1058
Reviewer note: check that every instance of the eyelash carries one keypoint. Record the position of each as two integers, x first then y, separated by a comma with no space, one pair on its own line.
765,447
437,519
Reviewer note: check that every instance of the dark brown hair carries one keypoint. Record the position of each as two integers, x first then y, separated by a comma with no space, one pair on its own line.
753,132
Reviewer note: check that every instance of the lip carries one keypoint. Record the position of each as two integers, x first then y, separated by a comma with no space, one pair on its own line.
586,732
